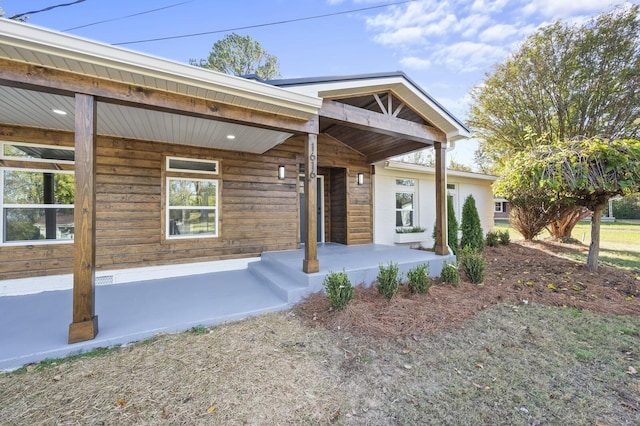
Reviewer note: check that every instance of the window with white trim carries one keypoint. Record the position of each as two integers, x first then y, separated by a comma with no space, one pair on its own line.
37,201
497,207
192,203
405,203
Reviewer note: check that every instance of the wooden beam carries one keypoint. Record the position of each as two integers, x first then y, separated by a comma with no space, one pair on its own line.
48,80
442,246
310,263
85,322
380,123
400,148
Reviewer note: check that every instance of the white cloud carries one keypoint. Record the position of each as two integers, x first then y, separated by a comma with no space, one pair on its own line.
556,9
488,6
468,56
470,25
413,62
499,32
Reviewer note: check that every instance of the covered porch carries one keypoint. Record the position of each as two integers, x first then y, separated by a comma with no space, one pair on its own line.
139,310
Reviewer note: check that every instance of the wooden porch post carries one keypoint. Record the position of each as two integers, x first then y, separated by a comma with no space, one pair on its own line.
85,322
310,263
442,246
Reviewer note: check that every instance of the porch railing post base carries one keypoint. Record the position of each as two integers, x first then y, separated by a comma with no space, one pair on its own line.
82,331
310,266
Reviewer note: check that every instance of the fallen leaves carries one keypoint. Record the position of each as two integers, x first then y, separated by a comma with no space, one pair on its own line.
632,371
211,409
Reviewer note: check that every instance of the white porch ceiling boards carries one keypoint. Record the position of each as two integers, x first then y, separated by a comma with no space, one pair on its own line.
34,109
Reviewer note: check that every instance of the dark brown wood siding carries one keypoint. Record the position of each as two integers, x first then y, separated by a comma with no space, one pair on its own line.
257,212
338,206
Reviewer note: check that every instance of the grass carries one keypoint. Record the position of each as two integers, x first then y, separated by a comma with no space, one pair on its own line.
508,365
619,242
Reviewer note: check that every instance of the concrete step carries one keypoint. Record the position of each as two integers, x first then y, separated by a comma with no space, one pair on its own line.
280,280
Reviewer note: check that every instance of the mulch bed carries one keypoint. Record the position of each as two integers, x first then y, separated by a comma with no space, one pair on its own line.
520,273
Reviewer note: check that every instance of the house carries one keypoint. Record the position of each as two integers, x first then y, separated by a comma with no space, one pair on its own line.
501,209
169,168
404,194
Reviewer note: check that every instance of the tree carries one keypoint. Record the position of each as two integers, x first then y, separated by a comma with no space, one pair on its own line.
240,55
566,82
472,235
454,165
586,173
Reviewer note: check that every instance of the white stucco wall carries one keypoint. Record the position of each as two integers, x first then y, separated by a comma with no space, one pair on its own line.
384,183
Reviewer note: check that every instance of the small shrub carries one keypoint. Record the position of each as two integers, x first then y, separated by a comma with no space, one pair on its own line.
493,238
339,289
389,280
419,281
198,329
473,265
414,230
504,237
450,273
470,226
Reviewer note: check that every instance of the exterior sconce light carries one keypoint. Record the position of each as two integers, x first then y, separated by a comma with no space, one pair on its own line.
281,172
360,178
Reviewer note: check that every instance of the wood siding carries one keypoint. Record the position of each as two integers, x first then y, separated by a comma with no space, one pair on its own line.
257,212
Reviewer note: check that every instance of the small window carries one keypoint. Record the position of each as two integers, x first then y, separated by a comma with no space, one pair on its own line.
405,182
451,186
176,164
497,207
192,208
33,152
405,203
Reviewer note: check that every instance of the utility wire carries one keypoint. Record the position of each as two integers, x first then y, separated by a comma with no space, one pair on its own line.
127,16
33,12
288,21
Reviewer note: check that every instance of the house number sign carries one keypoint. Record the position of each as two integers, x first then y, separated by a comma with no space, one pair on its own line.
312,161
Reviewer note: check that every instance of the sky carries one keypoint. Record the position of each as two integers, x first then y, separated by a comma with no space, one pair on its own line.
445,46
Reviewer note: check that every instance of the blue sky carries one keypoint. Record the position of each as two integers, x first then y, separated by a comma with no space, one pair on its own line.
445,46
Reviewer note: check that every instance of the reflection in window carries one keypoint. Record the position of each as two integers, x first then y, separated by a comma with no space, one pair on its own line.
192,207
404,209
37,205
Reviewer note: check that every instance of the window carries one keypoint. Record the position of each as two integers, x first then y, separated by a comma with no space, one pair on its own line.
497,207
192,203
37,202
405,203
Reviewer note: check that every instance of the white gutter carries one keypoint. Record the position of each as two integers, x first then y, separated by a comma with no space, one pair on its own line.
417,168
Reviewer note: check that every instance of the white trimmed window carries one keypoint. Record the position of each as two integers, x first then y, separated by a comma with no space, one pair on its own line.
37,201
192,203
405,203
497,207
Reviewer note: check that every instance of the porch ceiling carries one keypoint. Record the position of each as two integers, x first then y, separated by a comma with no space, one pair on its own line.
31,108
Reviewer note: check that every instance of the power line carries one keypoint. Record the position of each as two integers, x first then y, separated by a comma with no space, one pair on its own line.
33,12
288,21
127,16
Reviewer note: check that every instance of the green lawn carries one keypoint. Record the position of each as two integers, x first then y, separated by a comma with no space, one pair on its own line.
619,241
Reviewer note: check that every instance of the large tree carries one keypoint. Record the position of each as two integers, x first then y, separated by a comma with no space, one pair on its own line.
566,82
240,55
585,173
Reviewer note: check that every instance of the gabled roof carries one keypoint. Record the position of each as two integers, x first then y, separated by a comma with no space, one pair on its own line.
339,87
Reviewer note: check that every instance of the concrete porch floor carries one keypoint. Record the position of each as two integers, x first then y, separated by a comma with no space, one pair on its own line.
35,326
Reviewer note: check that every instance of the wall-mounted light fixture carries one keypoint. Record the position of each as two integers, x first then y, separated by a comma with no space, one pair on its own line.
360,178
281,172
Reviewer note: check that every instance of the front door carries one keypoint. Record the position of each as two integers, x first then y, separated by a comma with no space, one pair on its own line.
319,206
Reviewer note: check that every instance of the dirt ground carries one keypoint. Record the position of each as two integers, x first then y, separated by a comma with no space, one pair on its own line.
519,273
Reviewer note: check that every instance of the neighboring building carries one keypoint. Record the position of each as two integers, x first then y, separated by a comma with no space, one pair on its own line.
404,194
501,209
170,169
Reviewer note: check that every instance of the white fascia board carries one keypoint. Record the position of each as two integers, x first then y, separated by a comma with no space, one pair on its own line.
417,168
49,42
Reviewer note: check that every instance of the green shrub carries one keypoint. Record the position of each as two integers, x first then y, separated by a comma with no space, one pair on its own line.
493,238
473,265
504,237
339,289
389,280
470,226
419,281
450,273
